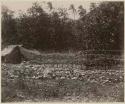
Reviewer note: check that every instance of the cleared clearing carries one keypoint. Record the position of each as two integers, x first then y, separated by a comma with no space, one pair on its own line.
35,81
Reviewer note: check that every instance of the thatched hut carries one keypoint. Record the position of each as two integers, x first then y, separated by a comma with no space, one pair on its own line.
16,54
12,54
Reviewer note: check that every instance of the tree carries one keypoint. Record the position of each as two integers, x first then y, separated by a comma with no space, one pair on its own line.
92,6
82,11
50,6
34,27
103,26
73,10
9,34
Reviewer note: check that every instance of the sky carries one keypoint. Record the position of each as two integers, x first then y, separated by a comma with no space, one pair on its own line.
23,5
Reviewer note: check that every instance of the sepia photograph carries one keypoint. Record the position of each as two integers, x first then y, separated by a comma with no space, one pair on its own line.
62,51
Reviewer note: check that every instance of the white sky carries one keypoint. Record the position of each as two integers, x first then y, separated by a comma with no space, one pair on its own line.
23,5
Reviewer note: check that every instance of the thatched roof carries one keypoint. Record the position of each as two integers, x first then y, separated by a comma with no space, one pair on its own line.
23,50
29,54
9,49
26,53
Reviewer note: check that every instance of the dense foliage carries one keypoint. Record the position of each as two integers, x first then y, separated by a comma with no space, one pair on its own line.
102,28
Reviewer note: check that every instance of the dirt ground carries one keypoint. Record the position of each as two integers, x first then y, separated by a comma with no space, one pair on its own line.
32,83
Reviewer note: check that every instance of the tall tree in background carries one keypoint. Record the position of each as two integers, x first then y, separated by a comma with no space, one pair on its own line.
81,11
9,33
34,27
81,27
72,7
92,6
104,26
50,6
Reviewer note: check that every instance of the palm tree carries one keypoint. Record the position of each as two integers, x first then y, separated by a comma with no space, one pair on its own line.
73,10
50,6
